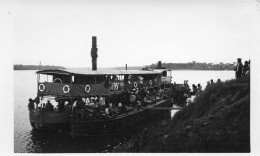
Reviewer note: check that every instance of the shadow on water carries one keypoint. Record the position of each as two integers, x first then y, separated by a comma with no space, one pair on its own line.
52,141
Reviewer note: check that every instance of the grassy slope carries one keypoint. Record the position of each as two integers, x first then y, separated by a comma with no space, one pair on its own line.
218,121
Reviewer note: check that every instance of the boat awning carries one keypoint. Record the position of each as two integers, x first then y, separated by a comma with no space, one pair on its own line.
53,72
99,72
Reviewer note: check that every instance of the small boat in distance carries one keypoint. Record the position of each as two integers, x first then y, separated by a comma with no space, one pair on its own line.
100,102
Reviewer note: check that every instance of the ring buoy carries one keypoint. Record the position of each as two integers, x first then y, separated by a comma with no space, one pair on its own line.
87,88
135,84
150,82
41,87
116,86
66,89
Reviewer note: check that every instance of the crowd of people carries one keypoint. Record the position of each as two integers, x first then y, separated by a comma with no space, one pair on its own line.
113,105
106,106
241,69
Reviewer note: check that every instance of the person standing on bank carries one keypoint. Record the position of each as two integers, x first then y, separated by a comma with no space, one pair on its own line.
238,68
245,68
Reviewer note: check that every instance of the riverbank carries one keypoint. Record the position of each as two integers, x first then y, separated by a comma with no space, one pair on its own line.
218,121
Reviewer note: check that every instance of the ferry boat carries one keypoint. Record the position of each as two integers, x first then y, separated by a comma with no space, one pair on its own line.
70,86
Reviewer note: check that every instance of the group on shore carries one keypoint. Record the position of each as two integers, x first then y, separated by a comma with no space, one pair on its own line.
241,69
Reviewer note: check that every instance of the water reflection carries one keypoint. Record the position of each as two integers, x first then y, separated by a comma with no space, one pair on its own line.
49,141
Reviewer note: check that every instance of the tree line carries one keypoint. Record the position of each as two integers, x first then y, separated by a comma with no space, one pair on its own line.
196,66
35,67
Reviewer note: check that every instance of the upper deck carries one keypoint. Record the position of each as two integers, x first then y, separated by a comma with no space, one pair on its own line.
72,83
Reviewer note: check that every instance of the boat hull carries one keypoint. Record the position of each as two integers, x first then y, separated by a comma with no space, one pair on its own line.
120,124
42,119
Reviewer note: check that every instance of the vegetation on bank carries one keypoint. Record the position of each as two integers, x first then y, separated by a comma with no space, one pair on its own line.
196,66
218,121
35,67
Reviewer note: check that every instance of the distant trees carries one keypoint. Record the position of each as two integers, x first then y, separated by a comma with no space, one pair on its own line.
35,67
196,66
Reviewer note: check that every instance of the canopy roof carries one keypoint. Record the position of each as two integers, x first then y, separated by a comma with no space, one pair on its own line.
98,72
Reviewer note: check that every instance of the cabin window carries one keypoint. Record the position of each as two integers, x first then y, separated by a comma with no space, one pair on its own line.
79,79
42,78
164,73
72,79
59,78
49,78
89,79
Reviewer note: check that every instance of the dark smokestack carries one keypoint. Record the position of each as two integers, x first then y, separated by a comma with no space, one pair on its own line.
94,54
125,66
159,64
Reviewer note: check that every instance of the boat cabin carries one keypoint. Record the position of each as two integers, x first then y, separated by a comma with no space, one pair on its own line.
72,83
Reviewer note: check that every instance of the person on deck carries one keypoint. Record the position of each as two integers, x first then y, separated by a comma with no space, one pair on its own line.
87,101
31,104
138,101
61,106
49,106
132,100
238,68
102,102
43,106
194,89
37,101
211,81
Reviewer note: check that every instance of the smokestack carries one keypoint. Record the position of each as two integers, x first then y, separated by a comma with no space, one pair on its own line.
159,64
125,66
94,54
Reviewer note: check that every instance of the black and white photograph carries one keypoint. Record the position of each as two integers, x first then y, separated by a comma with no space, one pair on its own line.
130,76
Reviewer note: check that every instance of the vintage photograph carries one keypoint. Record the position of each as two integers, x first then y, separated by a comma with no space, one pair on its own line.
132,76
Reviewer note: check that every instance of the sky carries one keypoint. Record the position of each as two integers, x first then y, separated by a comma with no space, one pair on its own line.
136,32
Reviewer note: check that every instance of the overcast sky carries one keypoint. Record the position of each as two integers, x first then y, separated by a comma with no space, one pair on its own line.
132,32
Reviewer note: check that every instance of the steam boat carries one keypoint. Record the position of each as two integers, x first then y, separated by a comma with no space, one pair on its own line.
130,98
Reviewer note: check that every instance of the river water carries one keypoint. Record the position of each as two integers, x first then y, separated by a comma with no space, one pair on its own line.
27,140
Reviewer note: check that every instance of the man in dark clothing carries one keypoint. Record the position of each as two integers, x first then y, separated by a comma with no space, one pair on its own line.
31,104
49,106
238,68
61,106
194,89
245,68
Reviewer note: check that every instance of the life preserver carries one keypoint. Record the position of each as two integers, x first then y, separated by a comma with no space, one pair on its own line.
135,84
116,86
41,87
66,90
87,88
150,82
